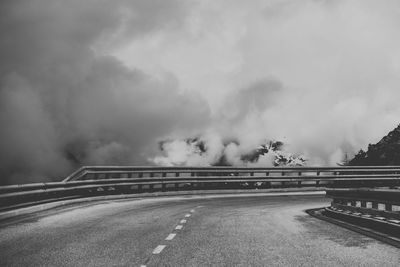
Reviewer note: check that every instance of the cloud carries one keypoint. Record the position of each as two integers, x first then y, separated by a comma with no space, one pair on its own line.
103,82
204,151
333,66
210,150
65,103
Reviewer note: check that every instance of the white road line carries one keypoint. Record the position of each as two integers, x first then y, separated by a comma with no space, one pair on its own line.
170,237
183,221
158,249
142,265
178,227
187,215
191,211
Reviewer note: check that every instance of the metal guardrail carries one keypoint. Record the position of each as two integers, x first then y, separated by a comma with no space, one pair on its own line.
372,211
105,172
369,201
106,180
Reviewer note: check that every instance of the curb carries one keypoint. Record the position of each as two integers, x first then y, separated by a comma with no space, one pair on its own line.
343,221
55,204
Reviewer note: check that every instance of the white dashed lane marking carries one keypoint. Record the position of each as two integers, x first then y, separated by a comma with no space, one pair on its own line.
158,249
170,237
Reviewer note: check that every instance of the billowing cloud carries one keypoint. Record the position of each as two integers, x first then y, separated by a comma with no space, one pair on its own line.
209,150
64,102
103,82
321,76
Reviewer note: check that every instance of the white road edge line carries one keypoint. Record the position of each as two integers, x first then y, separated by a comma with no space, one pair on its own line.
183,221
178,227
187,215
170,237
158,249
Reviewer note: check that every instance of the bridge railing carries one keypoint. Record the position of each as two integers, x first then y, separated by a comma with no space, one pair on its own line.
106,180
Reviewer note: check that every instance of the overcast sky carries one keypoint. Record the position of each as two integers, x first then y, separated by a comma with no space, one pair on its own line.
102,82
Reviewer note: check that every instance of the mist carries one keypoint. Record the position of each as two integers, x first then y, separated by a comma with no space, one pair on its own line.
64,104
100,82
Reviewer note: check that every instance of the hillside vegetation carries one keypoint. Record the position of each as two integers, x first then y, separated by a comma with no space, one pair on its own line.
385,152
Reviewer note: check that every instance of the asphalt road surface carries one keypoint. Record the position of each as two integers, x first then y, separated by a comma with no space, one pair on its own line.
240,230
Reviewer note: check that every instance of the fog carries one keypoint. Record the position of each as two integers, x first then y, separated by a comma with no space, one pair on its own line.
99,82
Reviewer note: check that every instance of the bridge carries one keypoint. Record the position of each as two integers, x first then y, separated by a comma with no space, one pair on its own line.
214,216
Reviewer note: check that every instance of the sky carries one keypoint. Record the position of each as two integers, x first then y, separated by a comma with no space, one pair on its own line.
101,82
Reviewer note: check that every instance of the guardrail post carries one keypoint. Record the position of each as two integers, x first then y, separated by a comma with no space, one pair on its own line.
151,185
299,182
140,187
192,174
374,205
163,185
363,203
388,207
252,184
317,181
177,174
267,184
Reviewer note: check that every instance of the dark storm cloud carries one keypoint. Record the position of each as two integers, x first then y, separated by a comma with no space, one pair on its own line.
63,103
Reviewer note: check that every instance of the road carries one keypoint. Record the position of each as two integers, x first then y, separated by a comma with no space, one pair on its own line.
237,230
